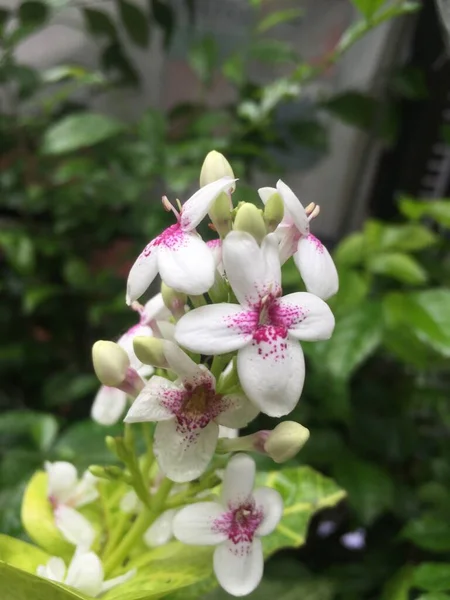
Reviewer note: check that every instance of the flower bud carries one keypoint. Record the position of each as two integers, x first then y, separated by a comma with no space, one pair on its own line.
286,440
273,212
175,301
150,351
111,363
111,473
215,166
250,219
220,214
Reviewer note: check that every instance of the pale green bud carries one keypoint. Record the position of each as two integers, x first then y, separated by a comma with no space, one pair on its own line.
220,214
286,440
175,301
150,351
111,473
215,166
111,363
250,219
273,212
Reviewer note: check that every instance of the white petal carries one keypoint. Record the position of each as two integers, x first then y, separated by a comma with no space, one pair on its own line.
239,567
250,273
216,248
74,526
62,480
143,272
306,316
167,330
188,371
272,371
238,480
228,432
187,264
196,208
271,504
126,342
85,573
155,309
109,405
160,531
288,236
240,411
316,267
146,370
130,502
55,569
294,207
86,490
182,454
266,192
194,524
216,329
150,404
110,583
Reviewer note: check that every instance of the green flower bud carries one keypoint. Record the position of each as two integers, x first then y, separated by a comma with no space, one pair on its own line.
111,473
286,440
273,212
220,214
111,363
215,166
150,351
175,301
250,219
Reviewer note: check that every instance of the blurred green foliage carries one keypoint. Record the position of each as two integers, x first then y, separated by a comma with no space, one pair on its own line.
76,188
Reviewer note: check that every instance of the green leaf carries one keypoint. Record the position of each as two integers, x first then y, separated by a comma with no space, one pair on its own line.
398,587
44,432
19,585
356,336
368,7
370,489
272,51
439,210
115,60
429,532
21,555
350,252
99,23
278,17
409,237
353,290
135,22
33,13
433,577
38,519
79,130
434,596
164,16
398,266
203,58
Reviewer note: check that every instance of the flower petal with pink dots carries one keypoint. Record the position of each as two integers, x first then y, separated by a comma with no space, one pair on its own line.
316,267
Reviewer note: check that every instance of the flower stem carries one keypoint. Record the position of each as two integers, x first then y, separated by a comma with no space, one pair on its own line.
198,301
118,532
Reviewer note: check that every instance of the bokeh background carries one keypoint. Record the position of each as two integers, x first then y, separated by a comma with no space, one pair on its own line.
108,104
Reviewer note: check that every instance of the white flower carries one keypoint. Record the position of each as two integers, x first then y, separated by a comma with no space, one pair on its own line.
216,248
66,492
85,573
188,413
160,531
311,257
181,257
264,328
235,525
109,403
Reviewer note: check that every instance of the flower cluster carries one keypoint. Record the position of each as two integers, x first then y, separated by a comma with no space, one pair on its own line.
217,346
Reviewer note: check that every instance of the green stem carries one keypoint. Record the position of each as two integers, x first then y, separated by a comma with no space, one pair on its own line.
218,364
149,457
118,532
198,301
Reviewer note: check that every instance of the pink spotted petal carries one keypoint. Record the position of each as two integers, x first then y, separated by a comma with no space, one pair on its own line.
152,403
238,413
307,317
238,481
294,207
216,329
187,370
288,236
143,272
316,267
272,371
186,263
239,567
196,208
194,524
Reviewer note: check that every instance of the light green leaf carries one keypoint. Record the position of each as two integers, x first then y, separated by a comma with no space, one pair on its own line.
44,432
203,58
79,130
434,596
278,17
409,237
433,577
135,22
399,586
38,519
351,251
21,555
439,210
429,532
353,290
368,7
19,585
398,266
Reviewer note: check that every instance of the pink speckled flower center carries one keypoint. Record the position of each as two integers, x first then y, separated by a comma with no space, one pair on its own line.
239,524
317,243
173,238
195,406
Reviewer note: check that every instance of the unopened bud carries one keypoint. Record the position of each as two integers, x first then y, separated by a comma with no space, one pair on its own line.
175,301
220,214
111,473
117,446
286,440
250,219
111,363
150,351
273,212
215,166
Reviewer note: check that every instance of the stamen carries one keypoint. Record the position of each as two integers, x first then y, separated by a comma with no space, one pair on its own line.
314,213
310,208
212,226
137,306
170,208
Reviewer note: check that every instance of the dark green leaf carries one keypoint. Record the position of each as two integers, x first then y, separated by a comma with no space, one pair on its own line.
410,83
136,23
409,237
165,17
33,13
433,577
4,17
430,532
99,23
79,130
115,60
311,134
439,210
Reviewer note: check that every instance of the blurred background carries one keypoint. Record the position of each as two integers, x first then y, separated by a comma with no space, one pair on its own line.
108,104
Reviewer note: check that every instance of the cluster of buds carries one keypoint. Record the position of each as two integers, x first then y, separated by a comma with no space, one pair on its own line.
217,346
